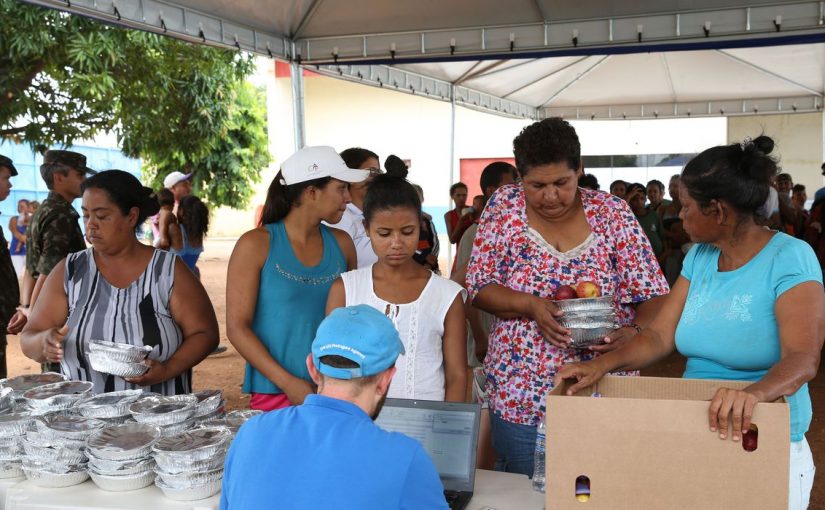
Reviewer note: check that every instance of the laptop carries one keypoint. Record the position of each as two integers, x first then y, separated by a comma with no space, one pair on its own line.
449,433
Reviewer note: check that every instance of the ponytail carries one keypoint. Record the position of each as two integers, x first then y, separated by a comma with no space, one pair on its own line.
281,198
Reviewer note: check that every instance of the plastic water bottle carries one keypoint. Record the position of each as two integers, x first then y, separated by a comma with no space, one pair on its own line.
538,461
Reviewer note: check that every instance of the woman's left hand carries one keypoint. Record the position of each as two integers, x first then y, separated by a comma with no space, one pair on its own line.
615,339
737,404
157,373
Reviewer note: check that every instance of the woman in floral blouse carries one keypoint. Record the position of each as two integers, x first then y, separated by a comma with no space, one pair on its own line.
535,236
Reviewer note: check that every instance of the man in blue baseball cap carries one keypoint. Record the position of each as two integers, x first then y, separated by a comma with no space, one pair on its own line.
328,452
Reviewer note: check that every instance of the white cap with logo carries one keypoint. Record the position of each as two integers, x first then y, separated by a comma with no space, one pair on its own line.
312,163
174,178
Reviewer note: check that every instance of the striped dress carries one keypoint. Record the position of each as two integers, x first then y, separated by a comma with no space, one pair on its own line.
138,315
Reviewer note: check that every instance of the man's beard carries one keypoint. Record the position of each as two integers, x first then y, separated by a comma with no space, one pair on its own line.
379,407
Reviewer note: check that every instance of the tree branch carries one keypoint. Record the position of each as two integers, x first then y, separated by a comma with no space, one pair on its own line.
23,82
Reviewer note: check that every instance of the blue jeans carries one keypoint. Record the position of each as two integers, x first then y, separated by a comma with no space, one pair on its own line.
515,445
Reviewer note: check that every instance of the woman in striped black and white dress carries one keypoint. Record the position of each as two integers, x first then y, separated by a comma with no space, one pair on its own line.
120,290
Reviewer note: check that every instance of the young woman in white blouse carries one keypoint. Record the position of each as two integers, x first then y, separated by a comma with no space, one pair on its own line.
427,309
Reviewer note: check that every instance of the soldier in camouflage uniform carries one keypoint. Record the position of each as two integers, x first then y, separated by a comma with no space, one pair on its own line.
10,319
54,231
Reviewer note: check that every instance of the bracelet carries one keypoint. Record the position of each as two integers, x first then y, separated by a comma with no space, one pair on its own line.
636,327
24,306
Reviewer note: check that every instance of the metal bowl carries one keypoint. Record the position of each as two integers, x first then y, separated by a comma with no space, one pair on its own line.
56,395
122,483
119,351
585,337
586,304
196,444
121,442
208,401
103,364
22,383
108,405
164,410
73,427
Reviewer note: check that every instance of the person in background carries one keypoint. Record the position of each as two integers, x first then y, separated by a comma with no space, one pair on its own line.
280,273
768,214
121,290
26,280
17,229
11,319
427,309
328,452
54,231
618,188
459,218
788,214
187,233
589,181
820,193
798,198
180,184
534,237
676,239
166,216
428,246
748,306
647,218
656,196
352,222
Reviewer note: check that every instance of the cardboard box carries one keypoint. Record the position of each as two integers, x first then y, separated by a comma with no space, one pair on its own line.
645,444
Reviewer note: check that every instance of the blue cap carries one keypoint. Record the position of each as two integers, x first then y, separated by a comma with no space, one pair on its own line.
360,334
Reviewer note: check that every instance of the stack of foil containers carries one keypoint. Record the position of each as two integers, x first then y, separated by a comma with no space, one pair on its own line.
120,456
190,465
55,449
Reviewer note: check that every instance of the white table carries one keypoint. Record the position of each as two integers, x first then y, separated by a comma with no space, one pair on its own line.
493,490
5,483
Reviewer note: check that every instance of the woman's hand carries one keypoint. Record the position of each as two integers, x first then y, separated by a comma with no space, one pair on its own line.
545,312
156,374
53,343
17,321
615,339
297,390
738,404
586,374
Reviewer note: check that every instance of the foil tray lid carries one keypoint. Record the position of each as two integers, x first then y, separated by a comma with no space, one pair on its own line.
163,404
58,389
26,382
67,424
123,438
193,440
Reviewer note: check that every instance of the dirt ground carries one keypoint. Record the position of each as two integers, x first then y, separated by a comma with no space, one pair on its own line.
225,371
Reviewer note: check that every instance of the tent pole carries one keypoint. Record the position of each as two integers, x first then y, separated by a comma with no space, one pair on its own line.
452,167
298,105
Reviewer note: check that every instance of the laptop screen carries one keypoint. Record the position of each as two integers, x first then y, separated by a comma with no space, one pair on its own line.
447,430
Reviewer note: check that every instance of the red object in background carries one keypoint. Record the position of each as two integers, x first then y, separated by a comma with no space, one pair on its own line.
470,172
282,70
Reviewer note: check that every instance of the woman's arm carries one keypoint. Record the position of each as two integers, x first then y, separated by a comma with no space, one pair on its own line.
337,297
652,344
42,338
174,238
164,219
192,310
14,232
347,248
242,284
646,311
454,347
800,315
512,304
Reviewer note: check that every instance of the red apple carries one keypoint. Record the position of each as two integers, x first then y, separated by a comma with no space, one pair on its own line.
564,292
588,289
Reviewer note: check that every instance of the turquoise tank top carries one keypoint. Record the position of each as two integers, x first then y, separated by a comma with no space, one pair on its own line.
291,304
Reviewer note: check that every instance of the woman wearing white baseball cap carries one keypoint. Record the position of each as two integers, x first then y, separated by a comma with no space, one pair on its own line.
280,273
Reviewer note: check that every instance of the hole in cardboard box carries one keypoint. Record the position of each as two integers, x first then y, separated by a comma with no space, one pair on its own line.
750,438
582,489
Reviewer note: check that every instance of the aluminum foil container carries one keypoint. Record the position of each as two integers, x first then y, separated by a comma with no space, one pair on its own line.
233,425
57,455
586,304
6,399
197,444
105,365
121,467
56,395
118,351
64,426
209,401
9,441
243,414
189,478
122,483
22,383
48,479
584,322
585,337
11,449
122,442
192,493
216,414
167,464
118,420
11,470
52,467
15,424
108,405
177,428
164,410
51,441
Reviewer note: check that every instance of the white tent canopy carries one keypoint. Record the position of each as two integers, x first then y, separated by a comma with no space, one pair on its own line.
527,58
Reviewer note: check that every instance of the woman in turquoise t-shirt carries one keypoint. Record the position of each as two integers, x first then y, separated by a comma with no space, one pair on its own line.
280,273
748,305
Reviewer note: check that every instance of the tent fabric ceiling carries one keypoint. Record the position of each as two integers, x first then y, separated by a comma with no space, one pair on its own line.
605,58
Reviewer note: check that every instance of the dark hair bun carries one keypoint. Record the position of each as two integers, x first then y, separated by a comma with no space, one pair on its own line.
755,164
149,205
395,167
764,144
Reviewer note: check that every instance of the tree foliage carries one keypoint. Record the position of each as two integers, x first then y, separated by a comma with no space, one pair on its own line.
176,105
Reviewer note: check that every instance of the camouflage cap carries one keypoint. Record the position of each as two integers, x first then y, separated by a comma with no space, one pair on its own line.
68,158
6,162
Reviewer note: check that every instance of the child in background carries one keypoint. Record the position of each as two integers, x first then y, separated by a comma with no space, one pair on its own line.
427,309
166,217
186,235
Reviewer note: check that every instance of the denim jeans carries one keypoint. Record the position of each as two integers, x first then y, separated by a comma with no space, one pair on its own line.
514,444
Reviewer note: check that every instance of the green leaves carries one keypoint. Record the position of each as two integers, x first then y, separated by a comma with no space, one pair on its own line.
176,105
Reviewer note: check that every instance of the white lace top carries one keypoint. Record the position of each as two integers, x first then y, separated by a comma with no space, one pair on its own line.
420,372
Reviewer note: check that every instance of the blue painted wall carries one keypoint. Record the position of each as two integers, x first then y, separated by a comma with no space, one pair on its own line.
29,185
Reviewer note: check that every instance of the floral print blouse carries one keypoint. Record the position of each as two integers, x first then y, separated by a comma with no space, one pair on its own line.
520,363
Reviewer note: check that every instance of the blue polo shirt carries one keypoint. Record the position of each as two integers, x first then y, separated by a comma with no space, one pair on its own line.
327,453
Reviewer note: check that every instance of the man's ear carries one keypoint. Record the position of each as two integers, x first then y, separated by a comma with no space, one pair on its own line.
313,371
384,380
